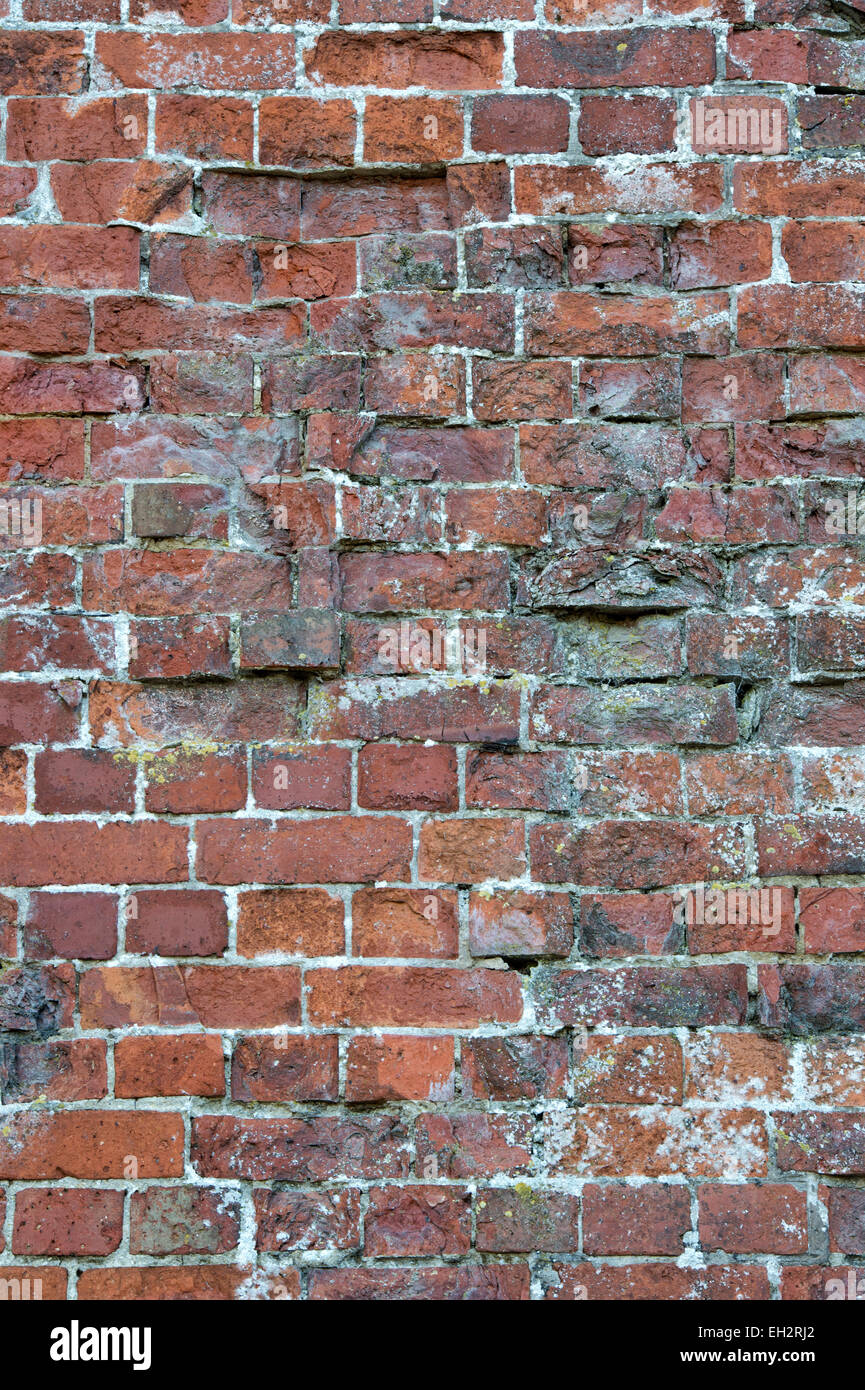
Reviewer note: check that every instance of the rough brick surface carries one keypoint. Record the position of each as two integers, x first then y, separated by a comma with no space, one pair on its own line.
432,800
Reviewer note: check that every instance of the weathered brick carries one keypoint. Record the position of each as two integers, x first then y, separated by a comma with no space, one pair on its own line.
82,1221
648,1220
169,1066
399,1068
183,1221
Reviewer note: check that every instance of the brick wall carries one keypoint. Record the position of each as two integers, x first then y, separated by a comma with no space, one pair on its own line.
431,793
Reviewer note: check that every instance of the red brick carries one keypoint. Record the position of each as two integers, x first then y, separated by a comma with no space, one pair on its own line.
412,996
733,785
79,926
176,922
82,1144
831,382
455,715
13,781
409,922
703,255
833,919
415,384
425,1221
123,324
36,998
505,517
171,648
471,850
740,1068
285,1067
520,125
412,130
308,1220
340,849
306,272
650,1220
307,640
617,1141
186,1283
511,781
189,782
70,852
211,996
38,63
845,1218
547,190
300,1150
831,121
514,257
617,125
142,191
205,128
31,387
825,251
476,1144
625,924
69,258
558,324
381,321
514,1068
82,1221
657,1281
603,855
399,1068
183,1221
8,923
568,714
250,61
83,780
637,995
401,59
301,132
73,1070
449,1283
402,778
33,1282
520,1219
615,58
817,1142
124,714
521,390
520,924
773,1218
305,922
169,1066
209,383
